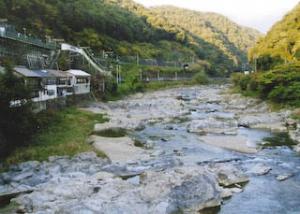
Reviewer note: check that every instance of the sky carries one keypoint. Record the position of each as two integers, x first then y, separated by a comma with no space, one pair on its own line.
258,14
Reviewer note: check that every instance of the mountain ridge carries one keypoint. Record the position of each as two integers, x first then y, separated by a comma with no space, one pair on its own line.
128,28
281,43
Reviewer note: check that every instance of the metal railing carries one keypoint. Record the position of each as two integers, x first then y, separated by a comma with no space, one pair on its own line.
27,39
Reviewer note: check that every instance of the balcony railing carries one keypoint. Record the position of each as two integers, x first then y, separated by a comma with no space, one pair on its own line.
27,39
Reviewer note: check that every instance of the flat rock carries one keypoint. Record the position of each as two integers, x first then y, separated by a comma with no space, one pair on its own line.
119,149
297,148
213,125
228,192
228,174
235,143
284,176
260,169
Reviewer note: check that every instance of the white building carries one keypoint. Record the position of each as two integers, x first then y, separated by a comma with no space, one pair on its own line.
52,84
48,86
81,81
63,82
42,84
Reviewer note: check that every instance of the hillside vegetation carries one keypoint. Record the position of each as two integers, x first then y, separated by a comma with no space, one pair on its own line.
213,28
128,28
278,63
281,44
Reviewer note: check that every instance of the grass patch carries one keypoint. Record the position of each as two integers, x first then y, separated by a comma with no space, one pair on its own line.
296,114
279,139
10,208
66,134
138,143
114,132
153,86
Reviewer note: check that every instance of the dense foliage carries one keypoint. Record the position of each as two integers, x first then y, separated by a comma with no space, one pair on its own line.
232,39
280,85
17,123
128,28
281,44
277,58
65,134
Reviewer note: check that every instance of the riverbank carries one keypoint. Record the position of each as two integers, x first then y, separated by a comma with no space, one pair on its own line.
65,134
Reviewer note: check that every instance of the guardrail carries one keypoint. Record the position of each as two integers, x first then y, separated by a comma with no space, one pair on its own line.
27,39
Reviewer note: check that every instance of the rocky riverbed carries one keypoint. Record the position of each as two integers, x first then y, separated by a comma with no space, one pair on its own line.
185,150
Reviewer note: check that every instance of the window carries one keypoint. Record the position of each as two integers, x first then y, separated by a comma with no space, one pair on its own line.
50,92
64,81
81,80
51,82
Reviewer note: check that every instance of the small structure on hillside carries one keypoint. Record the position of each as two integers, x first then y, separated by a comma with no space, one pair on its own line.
48,84
34,81
81,81
52,84
63,82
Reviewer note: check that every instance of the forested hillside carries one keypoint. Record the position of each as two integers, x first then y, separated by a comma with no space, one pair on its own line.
216,29
281,44
128,28
277,57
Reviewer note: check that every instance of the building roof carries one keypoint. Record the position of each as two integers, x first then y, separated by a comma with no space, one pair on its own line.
58,73
79,73
26,72
44,73
49,73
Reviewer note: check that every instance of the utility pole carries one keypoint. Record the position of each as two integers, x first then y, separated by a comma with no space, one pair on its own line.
255,63
137,59
141,75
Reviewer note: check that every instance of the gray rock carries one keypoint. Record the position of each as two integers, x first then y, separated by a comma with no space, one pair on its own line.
22,176
228,192
228,174
291,123
284,176
297,148
157,153
260,169
213,125
30,165
194,195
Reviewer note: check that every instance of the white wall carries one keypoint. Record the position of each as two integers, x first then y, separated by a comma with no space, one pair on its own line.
43,95
82,88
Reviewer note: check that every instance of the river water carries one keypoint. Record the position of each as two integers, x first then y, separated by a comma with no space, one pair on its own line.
263,193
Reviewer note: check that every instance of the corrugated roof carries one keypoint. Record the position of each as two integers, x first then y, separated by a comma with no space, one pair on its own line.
44,73
78,73
59,73
26,72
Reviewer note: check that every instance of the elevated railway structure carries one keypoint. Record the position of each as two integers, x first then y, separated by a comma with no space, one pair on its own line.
25,49
38,54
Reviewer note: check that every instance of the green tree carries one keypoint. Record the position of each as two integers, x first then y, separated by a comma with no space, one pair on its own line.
17,122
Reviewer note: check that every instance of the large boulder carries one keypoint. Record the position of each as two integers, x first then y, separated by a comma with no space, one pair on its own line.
186,189
228,174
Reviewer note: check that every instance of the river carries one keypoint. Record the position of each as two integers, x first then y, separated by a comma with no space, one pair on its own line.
200,149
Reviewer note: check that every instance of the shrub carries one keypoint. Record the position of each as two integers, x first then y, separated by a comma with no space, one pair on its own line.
236,78
18,123
244,81
282,84
200,78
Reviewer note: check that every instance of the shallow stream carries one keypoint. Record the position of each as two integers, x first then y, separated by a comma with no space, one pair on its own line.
264,193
